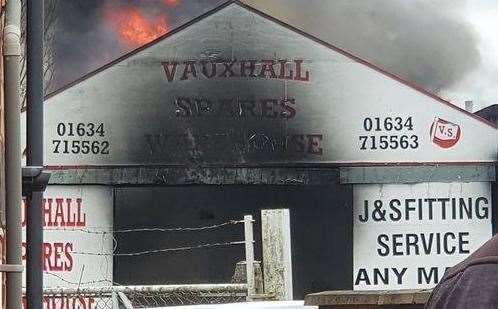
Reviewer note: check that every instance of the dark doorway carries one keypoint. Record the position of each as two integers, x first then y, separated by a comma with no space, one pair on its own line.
321,223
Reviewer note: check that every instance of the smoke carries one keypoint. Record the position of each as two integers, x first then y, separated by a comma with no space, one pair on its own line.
86,40
427,42
424,41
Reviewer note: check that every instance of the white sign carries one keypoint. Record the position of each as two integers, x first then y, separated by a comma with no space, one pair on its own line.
405,236
78,242
223,90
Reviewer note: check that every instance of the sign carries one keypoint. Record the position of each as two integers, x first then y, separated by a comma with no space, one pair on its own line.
444,133
405,236
223,90
78,221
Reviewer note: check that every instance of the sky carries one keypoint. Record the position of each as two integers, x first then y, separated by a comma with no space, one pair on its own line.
481,85
448,47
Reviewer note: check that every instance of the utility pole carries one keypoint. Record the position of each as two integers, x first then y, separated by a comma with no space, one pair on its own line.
12,62
34,94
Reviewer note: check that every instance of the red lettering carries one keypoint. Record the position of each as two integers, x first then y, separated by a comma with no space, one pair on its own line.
47,254
229,69
81,221
299,70
68,266
70,216
57,257
283,70
268,69
267,108
212,72
65,302
47,211
246,65
170,70
58,250
59,213
289,111
189,70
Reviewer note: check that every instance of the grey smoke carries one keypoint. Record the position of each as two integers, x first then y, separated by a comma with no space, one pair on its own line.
427,42
424,41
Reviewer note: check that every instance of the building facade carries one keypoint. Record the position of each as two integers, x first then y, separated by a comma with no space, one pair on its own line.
235,112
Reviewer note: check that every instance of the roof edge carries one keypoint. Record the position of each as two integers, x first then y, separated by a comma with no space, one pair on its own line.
141,48
250,8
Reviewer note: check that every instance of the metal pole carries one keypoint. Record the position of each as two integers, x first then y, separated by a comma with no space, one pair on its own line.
249,239
34,92
13,178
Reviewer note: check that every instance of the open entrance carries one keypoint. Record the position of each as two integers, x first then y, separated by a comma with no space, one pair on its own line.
321,231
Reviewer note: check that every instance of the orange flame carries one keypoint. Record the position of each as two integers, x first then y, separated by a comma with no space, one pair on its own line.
170,2
133,27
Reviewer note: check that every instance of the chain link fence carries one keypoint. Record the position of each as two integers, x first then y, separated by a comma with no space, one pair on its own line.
131,297
94,292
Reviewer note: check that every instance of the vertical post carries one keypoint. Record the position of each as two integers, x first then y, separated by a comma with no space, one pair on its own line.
34,92
277,256
249,242
13,178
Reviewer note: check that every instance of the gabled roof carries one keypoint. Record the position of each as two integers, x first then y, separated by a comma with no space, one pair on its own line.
288,26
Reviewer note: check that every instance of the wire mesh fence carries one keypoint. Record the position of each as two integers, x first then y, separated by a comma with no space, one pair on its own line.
95,289
128,297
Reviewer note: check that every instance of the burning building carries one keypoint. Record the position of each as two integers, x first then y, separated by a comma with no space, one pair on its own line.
237,111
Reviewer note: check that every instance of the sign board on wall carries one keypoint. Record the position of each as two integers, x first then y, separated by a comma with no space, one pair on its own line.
406,235
78,221
224,90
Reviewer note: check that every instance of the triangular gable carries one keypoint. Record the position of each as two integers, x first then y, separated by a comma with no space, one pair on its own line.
278,96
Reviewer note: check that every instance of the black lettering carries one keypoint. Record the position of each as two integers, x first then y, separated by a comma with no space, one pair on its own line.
364,217
427,243
467,208
397,243
394,204
399,275
443,202
446,245
412,241
428,278
409,208
430,206
381,276
482,212
381,241
362,276
462,242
